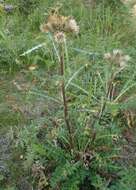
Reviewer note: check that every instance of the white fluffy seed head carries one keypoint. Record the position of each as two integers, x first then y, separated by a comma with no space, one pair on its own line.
72,26
117,52
117,56
107,56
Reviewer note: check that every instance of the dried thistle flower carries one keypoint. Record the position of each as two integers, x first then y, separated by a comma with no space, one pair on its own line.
59,37
117,56
107,56
117,52
56,22
71,26
124,60
46,27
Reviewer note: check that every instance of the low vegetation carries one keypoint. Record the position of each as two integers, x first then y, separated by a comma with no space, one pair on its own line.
67,95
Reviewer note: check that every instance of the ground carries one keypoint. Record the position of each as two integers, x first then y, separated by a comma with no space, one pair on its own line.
31,104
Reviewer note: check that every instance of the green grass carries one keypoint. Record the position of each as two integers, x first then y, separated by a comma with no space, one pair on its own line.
98,122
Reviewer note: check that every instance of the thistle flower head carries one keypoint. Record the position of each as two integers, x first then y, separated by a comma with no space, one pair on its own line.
57,22
118,57
59,37
71,26
46,28
117,52
54,23
107,56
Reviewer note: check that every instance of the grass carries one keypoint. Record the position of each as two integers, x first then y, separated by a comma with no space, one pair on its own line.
91,155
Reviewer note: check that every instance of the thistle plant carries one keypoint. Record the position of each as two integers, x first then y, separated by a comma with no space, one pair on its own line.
60,39
117,61
59,26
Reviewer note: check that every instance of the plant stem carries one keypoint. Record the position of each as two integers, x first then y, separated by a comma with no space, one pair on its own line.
65,106
108,96
109,92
